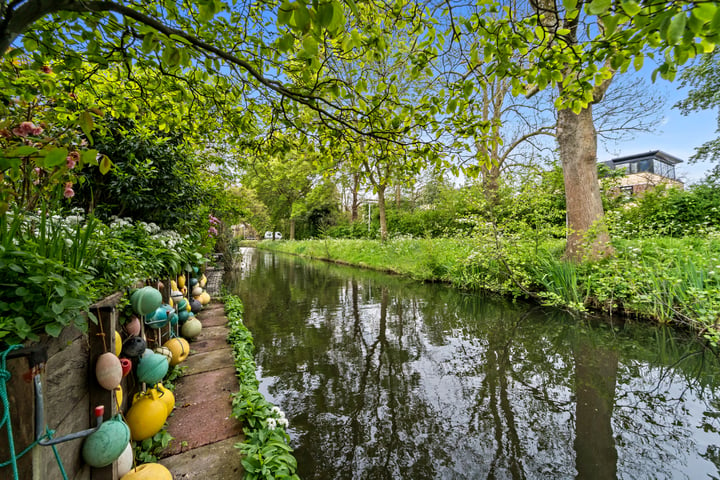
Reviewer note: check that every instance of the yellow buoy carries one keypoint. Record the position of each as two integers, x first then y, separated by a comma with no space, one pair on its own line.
180,349
146,416
148,471
167,397
118,397
118,343
181,281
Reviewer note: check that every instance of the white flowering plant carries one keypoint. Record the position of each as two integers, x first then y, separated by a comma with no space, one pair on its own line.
54,265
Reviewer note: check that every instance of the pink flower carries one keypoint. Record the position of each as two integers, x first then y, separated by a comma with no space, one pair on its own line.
37,170
72,159
27,128
69,192
214,220
212,231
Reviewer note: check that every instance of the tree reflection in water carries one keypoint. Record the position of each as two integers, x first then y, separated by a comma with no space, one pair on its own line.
382,377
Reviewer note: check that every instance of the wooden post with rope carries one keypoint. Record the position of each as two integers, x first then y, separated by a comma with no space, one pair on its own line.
102,339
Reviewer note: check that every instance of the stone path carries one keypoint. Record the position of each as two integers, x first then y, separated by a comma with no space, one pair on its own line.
204,431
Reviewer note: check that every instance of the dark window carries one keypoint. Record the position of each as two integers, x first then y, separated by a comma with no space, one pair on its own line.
644,166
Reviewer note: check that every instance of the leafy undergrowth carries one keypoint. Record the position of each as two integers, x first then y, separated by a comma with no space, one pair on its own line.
667,280
266,451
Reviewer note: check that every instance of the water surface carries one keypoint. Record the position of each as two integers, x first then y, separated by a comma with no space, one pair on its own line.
385,378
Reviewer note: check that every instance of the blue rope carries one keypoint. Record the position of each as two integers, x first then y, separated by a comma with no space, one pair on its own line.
4,378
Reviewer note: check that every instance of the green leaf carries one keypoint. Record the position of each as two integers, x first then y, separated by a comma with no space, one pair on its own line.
23,151
86,123
53,329
705,11
286,42
310,46
638,61
89,157
569,4
598,7
353,7
21,291
55,157
631,7
285,13
611,23
715,23
149,43
105,164
301,15
171,56
325,14
57,308
9,163
676,29
338,18
30,44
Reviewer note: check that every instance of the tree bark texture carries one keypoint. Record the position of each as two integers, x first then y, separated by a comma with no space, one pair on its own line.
577,140
354,206
381,211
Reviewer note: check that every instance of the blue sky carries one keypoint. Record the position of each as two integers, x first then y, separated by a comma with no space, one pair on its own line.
677,135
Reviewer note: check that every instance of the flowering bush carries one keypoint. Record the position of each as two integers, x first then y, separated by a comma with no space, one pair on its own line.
44,136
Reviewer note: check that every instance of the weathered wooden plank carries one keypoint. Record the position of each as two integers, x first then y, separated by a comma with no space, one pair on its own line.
22,413
70,452
66,381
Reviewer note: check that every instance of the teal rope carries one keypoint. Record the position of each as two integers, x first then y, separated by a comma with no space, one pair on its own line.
4,378
49,433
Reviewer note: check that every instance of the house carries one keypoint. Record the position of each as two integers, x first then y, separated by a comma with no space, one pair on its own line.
644,171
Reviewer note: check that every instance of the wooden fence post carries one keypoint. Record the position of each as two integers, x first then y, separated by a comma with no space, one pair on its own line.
102,339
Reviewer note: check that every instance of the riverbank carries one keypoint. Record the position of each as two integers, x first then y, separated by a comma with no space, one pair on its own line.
666,280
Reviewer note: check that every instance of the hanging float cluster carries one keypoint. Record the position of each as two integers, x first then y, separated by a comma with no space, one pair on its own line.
154,403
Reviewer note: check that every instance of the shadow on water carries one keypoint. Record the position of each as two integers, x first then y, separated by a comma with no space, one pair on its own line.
385,378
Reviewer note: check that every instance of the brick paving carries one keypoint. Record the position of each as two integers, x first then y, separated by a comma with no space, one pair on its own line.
204,430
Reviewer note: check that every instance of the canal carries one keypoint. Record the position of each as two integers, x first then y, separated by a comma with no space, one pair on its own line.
382,377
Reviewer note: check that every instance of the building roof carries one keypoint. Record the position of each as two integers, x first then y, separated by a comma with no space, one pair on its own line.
659,154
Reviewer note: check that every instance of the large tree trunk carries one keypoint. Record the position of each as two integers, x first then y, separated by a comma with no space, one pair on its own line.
292,229
381,211
588,237
491,182
398,195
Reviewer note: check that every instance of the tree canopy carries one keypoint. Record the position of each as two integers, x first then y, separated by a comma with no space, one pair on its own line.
229,75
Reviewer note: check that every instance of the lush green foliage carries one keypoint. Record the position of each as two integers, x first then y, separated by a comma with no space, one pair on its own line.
670,280
266,453
669,211
153,179
54,267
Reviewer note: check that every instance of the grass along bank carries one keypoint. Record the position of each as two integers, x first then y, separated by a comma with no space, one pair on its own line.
668,280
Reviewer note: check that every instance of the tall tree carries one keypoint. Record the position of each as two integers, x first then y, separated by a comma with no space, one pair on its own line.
703,78
578,47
